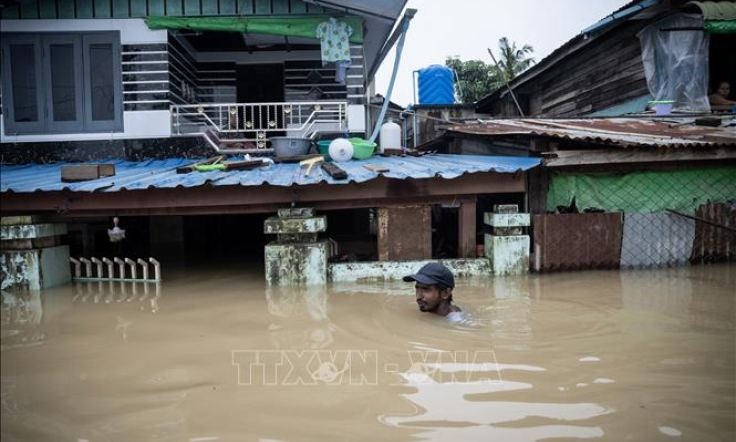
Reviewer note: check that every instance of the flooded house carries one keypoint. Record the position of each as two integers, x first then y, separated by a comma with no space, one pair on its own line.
166,274
159,91
638,169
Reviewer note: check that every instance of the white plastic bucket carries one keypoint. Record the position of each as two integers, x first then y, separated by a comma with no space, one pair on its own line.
390,136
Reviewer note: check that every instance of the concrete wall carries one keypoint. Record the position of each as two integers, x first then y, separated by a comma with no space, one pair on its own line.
394,270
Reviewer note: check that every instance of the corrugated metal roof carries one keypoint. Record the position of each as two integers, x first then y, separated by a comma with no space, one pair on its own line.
162,173
624,132
723,10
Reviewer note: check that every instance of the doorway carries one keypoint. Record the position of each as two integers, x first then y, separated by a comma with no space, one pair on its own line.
260,83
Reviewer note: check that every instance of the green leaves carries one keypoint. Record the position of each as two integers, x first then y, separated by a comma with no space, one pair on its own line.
476,78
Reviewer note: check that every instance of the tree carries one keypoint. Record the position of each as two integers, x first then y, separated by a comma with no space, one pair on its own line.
512,60
476,79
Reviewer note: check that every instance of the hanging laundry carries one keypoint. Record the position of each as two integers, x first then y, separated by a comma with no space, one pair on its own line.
341,68
334,36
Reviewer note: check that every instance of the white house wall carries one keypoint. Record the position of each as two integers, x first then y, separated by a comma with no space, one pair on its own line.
159,70
141,119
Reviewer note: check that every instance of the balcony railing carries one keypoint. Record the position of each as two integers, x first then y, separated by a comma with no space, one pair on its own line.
256,122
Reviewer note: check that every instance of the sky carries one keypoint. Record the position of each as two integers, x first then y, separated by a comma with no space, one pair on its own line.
465,28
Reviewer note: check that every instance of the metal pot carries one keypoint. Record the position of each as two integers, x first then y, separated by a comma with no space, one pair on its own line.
290,146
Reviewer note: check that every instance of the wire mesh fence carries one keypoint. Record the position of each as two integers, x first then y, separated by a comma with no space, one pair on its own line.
638,220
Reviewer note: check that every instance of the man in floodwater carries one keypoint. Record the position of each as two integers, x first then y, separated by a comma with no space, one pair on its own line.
434,284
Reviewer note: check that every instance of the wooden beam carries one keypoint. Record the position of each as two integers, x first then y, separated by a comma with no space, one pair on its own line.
248,209
564,158
538,189
373,193
467,229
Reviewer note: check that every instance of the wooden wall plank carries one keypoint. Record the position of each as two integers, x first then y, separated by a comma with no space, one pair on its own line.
120,8
298,7
280,6
174,8
47,9
583,80
466,239
29,10
314,9
157,7
192,7
227,7
209,7
245,7
66,9
138,8
10,12
84,9
103,9
263,6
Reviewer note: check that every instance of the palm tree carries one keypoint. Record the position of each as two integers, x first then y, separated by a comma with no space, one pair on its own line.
513,60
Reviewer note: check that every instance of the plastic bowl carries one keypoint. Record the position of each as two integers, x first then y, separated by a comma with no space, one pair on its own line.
323,147
290,146
363,149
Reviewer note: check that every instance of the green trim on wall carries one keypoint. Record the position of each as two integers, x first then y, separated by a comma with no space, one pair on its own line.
285,26
720,26
644,192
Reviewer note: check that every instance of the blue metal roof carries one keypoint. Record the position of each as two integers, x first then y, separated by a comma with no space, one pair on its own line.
162,173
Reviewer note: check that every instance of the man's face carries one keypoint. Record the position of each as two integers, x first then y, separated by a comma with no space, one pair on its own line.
724,89
428,297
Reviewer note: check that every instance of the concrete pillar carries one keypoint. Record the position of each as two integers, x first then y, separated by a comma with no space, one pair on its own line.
296,257
404,233
507,248
31,257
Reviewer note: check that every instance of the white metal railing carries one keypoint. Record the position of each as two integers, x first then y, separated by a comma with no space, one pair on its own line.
254,122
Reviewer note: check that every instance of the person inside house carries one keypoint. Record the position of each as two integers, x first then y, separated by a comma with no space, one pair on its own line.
719,99
434,284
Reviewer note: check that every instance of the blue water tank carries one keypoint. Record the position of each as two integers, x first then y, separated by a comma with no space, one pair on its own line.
436,85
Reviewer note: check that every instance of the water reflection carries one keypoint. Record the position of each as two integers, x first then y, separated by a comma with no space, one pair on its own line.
510,314
289,306
25,315
685,294
144,294
466,410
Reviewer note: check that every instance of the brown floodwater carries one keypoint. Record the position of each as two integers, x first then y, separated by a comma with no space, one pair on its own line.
214,355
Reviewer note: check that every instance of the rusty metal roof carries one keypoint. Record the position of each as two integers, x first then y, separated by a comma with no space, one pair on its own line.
623,132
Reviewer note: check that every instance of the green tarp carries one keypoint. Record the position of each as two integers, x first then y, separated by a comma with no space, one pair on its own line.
644,192
284,26
720,26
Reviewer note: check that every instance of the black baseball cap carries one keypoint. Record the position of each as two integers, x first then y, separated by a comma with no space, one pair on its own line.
432,274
